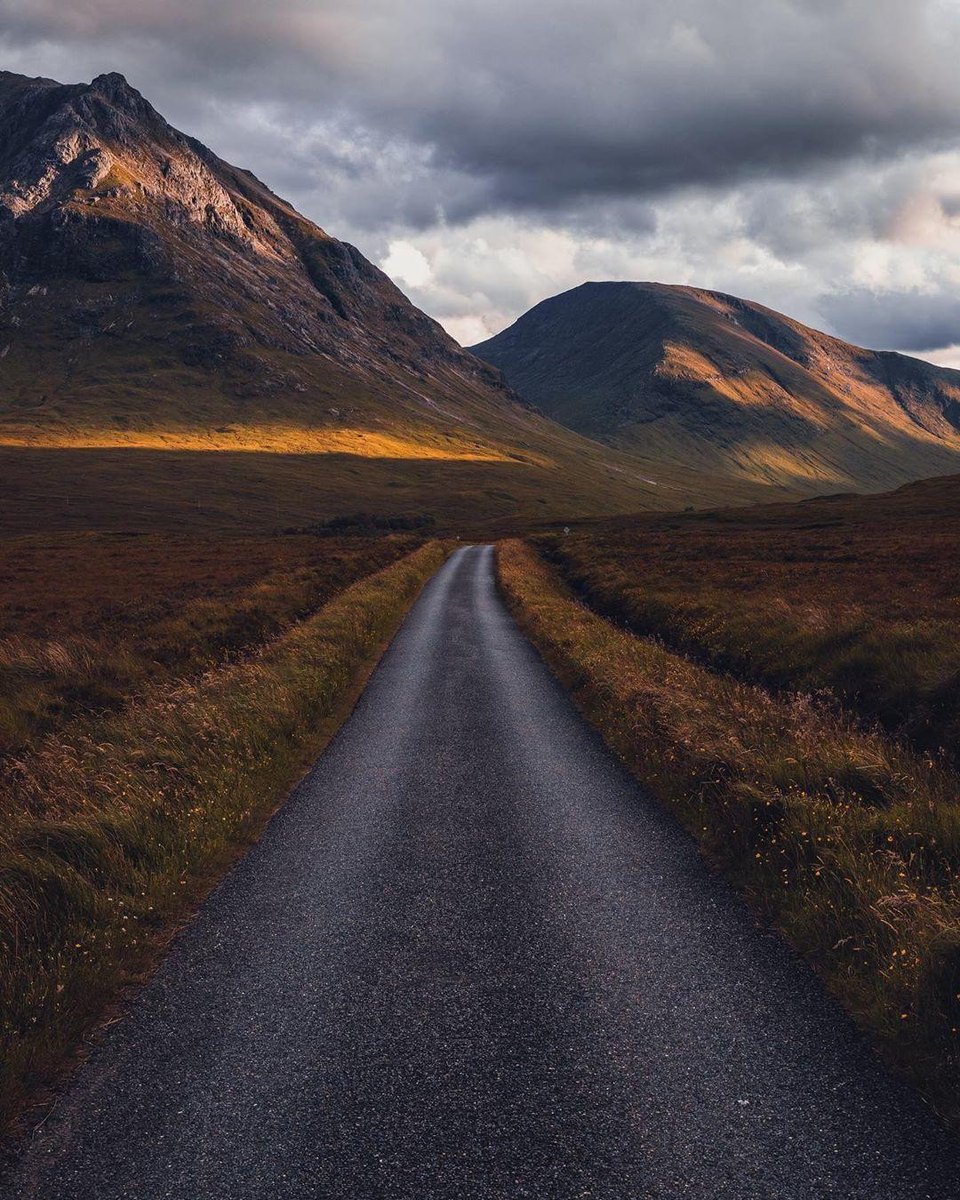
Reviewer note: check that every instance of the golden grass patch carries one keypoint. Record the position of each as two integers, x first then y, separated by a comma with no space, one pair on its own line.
275,439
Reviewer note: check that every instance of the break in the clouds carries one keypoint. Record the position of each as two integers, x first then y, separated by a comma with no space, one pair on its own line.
491,152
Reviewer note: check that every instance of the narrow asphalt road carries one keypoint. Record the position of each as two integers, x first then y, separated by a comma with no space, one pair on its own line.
469,959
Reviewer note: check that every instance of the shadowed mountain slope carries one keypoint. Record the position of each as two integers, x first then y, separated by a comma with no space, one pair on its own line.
726,385
153,297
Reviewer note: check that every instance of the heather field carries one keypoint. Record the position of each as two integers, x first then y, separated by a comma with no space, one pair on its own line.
855,597
87,620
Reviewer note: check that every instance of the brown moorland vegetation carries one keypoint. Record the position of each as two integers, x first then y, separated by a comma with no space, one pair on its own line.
86,620
240,491
847,838
859,597
115,823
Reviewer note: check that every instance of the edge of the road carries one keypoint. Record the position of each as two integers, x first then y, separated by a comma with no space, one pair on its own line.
588,683
42,1100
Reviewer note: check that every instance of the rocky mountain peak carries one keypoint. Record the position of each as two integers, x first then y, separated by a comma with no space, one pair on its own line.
100,198
74,147
116,109
115,86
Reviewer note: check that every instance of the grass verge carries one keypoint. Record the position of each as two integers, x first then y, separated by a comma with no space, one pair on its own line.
112,830
88,621
855,595
849,841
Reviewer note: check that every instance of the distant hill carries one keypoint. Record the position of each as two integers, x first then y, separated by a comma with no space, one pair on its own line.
153,297
713,382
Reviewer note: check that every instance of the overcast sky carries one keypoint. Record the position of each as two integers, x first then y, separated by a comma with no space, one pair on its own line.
490,153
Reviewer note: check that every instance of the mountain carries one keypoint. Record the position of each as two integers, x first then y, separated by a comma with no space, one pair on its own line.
155,298
722,384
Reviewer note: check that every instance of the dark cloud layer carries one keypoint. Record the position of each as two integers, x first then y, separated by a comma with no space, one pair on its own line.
537,104
907,321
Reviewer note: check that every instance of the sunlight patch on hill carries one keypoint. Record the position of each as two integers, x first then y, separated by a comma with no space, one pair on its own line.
277,439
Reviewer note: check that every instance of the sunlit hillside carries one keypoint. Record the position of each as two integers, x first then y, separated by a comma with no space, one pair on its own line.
711,381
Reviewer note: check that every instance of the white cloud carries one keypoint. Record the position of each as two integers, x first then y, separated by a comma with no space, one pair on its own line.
949,356
832,251
407,265
468,331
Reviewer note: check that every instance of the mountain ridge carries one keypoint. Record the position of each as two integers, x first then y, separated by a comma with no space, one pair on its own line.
154,297
693,375
98,157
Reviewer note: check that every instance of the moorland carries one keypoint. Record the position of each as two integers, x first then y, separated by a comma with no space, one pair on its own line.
231,453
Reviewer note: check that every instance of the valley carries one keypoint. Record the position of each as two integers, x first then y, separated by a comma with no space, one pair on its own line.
261,515
159,300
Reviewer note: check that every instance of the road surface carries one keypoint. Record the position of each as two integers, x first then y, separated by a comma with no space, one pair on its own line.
469,960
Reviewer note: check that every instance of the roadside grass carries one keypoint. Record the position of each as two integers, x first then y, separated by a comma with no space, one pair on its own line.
847,839
859,596
88,620
113,827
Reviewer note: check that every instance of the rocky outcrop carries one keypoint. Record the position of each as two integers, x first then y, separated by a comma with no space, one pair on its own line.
84,144
96,187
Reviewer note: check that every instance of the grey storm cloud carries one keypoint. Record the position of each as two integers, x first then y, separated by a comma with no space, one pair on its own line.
469,106
909,321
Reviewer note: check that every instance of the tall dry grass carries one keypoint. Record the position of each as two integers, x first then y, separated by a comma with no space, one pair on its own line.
858,596
849,840
87,621
111,828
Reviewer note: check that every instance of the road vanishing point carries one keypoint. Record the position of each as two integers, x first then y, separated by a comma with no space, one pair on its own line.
471,959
